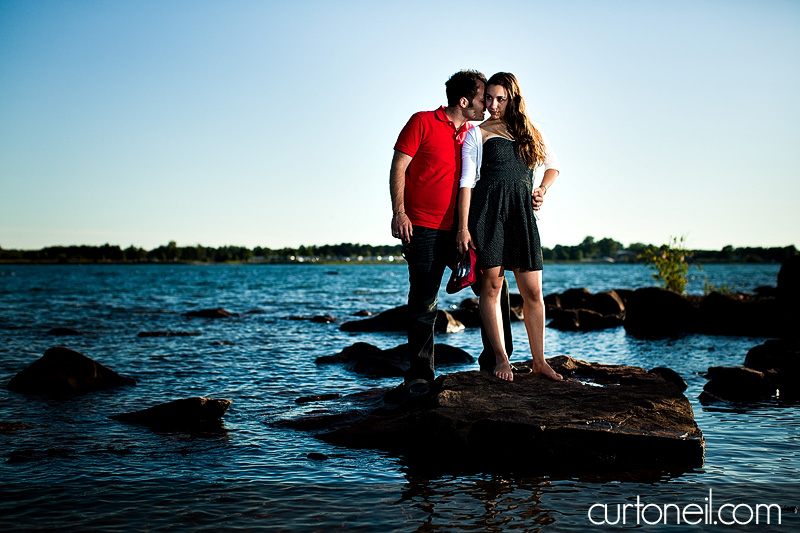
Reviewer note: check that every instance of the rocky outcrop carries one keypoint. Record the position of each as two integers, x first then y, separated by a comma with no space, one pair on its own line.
770,371
603,417
397,319
64,371
211,313
740,314
736,384
655,312
188,414
582,320
366,359
789,280
580,310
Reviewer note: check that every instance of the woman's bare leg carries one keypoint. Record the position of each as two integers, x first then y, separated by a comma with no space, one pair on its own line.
491,286
530,287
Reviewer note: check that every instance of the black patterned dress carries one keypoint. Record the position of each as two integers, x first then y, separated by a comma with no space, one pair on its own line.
501,217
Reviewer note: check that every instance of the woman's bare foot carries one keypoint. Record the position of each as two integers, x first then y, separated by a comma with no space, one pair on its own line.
547,371
503,371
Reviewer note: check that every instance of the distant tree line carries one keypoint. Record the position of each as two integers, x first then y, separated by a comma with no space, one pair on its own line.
589,250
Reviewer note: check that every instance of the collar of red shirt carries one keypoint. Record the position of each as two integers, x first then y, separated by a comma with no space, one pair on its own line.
462,131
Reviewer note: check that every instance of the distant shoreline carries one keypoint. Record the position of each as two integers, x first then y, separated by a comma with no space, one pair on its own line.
590,250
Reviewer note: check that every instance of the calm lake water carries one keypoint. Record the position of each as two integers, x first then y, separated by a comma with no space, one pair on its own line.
73,468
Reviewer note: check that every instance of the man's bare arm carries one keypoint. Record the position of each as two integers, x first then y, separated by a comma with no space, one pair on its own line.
401,225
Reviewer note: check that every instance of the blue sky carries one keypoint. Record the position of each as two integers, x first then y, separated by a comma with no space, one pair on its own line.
272,123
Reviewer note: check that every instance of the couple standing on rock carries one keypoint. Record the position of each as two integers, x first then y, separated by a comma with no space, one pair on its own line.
446,172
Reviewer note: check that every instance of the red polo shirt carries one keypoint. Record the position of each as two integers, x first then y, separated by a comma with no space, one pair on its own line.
433,143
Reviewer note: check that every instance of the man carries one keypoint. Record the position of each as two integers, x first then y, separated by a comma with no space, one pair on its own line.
423,182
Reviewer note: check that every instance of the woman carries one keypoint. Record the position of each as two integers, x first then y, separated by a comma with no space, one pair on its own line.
497,203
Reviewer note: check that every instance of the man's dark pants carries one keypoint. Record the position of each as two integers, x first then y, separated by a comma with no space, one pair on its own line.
428,253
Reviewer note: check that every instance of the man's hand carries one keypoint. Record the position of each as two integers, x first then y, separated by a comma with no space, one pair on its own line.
402,228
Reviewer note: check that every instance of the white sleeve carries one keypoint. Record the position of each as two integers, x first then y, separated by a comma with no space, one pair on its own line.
471,158
550,157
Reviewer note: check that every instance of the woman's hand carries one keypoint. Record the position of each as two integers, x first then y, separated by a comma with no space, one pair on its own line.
401,227
463,241
537,198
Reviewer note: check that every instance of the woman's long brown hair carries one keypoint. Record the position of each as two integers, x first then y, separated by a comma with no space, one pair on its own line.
530,145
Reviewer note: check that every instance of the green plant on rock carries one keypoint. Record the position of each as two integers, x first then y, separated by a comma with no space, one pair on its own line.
670,262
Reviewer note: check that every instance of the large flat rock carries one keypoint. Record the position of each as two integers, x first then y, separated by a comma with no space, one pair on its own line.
602,417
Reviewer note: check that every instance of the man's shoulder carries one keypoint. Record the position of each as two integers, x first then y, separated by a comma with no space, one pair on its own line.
425,116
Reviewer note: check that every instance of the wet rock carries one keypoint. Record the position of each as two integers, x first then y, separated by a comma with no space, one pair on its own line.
188,414
658,313
575,298
145,334
606,303
317,398
397,319
740,314
362,312
624,295
469,316
736,384
30,455
552,303
7,428
582,320
65,332
323,319
780,360
603,417
314,456
211,313
515,305
766,290
580,310
64,371
367,359
671,376
789,280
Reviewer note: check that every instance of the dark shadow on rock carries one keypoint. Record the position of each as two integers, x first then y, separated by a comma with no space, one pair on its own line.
63,371
367,359
188,414
602,418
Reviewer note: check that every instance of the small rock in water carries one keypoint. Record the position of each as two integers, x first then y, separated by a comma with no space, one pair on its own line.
211,313
314,456
65,332
64,371
188,414
317,398
323,319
